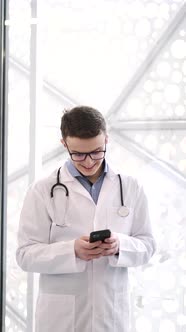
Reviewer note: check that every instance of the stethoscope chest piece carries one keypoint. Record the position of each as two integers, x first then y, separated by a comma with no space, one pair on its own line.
123,211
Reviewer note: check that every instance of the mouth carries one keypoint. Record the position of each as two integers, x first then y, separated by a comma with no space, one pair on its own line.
88,168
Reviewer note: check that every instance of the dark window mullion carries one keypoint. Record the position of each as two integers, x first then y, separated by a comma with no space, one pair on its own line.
3,165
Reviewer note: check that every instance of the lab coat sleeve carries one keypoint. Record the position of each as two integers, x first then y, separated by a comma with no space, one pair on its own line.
136,249
35,253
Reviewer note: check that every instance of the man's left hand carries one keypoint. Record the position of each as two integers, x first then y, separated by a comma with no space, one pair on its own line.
110,245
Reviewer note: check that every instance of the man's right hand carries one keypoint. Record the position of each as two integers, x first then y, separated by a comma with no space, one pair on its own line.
86,250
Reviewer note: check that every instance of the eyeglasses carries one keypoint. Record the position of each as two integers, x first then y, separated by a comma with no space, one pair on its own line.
81,156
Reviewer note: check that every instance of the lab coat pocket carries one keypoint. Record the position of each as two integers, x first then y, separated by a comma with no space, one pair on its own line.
119,224
55,313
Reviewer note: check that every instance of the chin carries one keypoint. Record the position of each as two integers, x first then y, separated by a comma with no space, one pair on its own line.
89,171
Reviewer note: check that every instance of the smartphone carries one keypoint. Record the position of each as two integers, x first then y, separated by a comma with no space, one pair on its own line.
99,235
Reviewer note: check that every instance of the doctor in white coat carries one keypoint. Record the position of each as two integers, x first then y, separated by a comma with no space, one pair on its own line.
83,286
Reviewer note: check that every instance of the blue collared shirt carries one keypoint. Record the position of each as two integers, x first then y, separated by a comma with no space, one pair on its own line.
93,189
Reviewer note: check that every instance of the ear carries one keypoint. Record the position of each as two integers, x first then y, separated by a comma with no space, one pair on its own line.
106,139
63,142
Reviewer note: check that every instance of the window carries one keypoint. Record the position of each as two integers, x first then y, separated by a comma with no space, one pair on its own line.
128,59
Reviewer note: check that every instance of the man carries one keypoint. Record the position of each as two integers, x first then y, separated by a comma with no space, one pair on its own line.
83,285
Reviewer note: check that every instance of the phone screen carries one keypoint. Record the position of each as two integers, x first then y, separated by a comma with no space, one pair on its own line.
99,235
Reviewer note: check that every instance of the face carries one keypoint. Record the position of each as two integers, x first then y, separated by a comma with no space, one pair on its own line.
88,167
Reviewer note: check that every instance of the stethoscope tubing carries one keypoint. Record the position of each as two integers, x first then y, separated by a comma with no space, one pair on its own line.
123,210
121,190
58,183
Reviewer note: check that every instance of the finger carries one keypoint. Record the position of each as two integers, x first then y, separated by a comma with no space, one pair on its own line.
107,245
94,244
95,251
112,249
85,238
90,246
109,252
110,240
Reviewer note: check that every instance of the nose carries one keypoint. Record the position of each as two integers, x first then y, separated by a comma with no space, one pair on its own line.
88,160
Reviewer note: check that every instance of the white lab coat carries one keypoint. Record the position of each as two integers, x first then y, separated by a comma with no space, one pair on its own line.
75,295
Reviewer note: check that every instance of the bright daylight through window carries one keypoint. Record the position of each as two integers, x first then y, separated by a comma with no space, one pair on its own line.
128,60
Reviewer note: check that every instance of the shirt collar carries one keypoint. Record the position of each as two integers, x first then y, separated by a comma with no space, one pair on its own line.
75,173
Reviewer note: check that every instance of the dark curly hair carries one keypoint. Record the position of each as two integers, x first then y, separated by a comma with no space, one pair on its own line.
82,122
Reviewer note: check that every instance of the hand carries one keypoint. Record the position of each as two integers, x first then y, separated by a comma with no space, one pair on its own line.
110,245
86,250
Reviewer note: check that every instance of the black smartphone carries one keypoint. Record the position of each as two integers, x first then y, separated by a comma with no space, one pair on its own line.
99,235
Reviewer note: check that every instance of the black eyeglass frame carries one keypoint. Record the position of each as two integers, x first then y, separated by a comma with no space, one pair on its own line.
86,154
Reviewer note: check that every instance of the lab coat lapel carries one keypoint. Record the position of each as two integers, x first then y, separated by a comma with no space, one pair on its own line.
76,186
106,190
72,183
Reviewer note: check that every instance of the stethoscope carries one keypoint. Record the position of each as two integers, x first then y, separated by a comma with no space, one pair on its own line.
123,211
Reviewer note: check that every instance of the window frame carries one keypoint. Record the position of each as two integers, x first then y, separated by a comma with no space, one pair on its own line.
3,161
